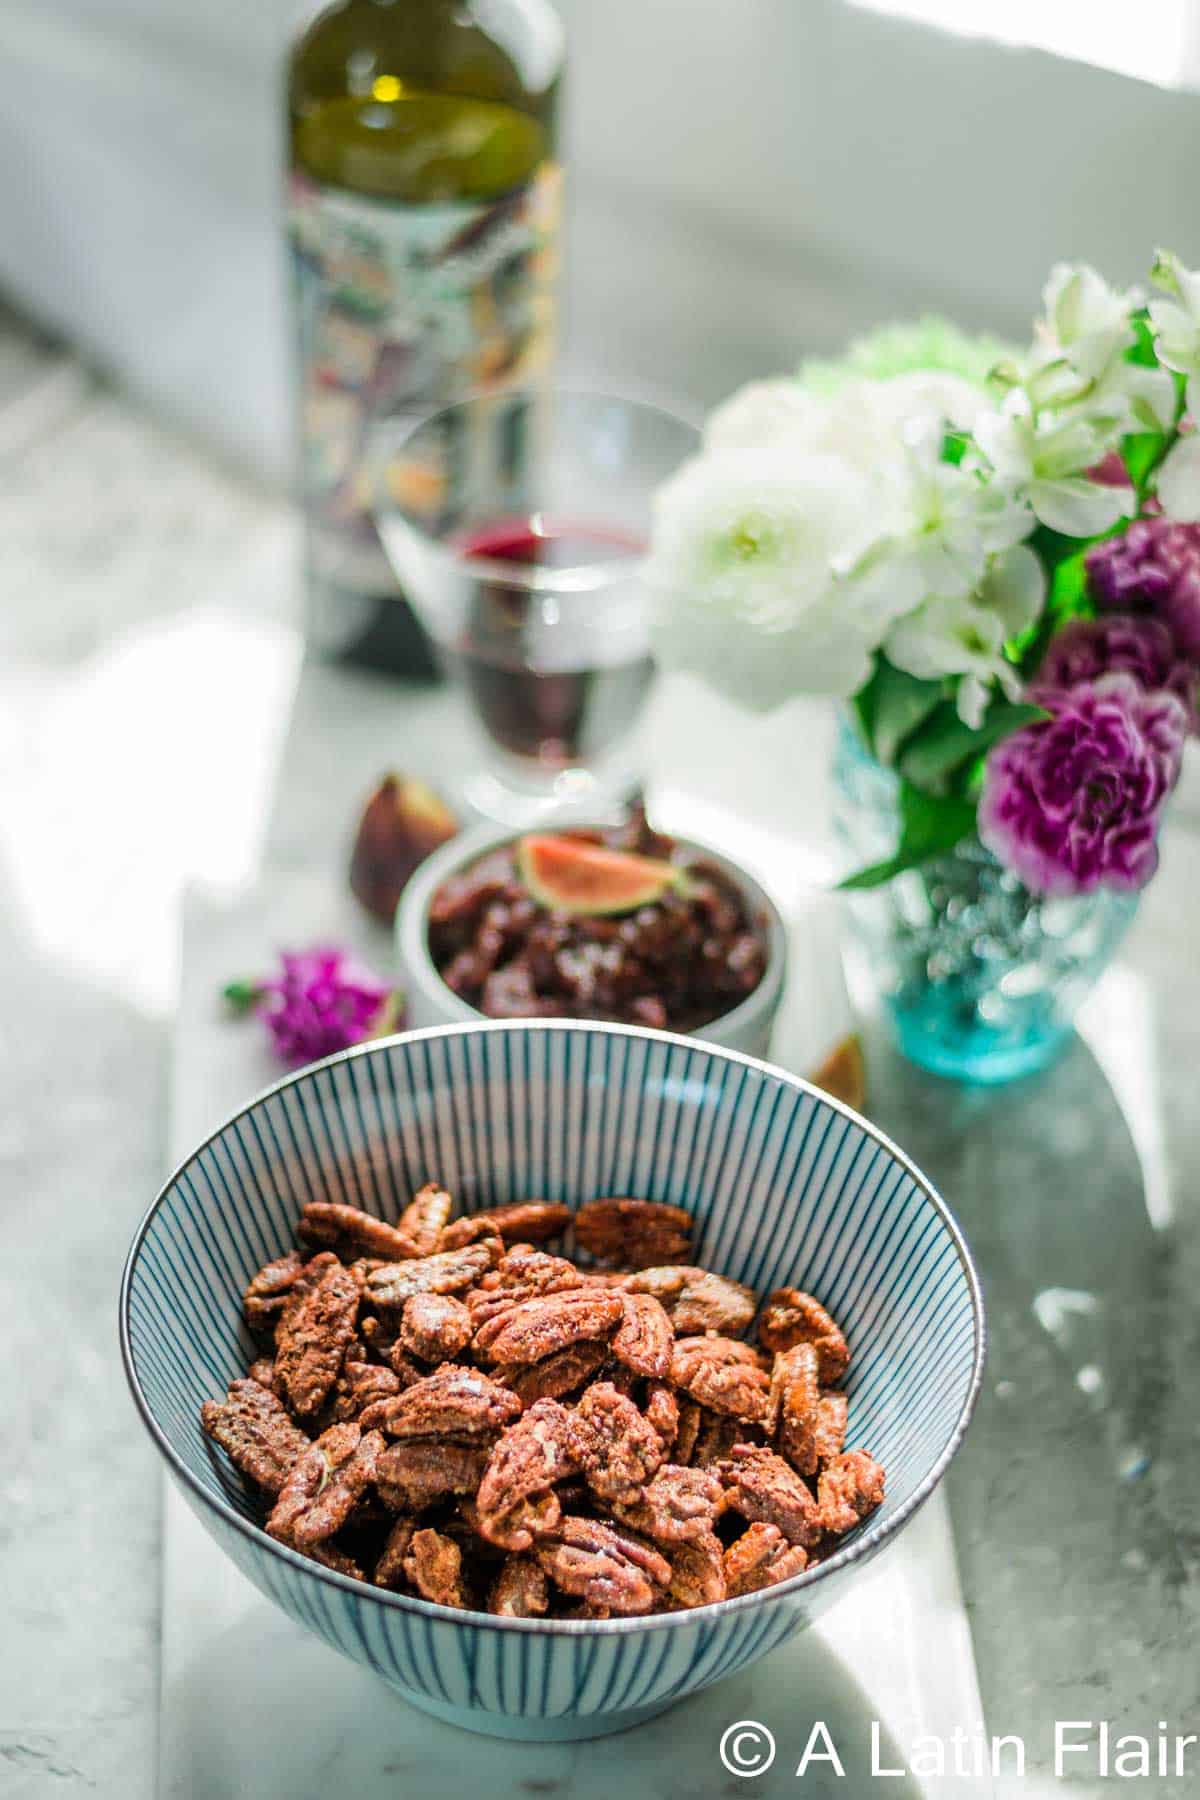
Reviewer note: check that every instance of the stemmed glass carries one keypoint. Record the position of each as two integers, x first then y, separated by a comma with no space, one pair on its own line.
516,523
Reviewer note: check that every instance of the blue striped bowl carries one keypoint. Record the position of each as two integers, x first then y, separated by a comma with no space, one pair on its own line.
787,1187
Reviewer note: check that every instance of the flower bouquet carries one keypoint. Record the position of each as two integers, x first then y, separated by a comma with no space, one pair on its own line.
992,559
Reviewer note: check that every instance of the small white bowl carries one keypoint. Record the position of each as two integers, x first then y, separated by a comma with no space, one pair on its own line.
430,1002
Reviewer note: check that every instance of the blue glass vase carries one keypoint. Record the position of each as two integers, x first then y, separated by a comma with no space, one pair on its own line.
980,978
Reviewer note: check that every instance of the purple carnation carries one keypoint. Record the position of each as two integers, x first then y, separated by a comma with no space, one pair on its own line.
1073,803
1153,567
322,1001
1086,649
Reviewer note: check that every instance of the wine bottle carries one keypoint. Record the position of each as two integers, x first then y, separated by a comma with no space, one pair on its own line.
423,215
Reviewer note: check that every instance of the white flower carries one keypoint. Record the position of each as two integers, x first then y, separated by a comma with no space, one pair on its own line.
923,397
1046,460
743,570
1176,321
952,519
1087,322
765,414
964,635
1178,480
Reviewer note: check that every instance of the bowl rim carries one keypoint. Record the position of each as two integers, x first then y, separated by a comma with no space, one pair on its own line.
411,927
874,1538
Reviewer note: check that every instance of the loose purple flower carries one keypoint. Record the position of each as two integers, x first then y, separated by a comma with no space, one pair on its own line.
1153,567
1073,803
322,1001
1134,643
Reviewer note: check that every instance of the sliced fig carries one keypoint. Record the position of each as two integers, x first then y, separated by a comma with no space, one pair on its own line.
403,822
571,875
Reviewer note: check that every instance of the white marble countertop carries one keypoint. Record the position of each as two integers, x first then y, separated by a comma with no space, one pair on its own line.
157,726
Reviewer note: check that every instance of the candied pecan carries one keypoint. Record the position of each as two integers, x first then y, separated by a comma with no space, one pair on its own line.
833,1413
425,1218
717,1372
524,1222
605,1567
791,1317
662,1412
537,1328
555,1375
412,1474
850,1488
445,1272
262,1370
697,1572
793,1406
350,1228
537,1516
691,1418
453,1402
621,1450
320,1493
645,1338
520,1274
267,1294
544,1446
640,1233
330,1557
708,1302
679,1506
715,1437
312,1337
434,1327
761,1557
360,1385
433,1563
255,1433
389,1570
520,1590
761,1486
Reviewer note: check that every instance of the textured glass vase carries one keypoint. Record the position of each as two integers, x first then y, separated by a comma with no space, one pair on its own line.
980,978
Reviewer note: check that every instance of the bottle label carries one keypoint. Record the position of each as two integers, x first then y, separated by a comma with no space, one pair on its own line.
401,309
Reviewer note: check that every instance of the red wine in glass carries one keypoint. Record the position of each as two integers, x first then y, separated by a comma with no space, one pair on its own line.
544,681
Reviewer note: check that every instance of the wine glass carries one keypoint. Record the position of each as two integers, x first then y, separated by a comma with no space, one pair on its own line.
516,522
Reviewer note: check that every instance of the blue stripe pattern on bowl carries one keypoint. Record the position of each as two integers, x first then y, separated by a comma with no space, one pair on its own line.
787,1188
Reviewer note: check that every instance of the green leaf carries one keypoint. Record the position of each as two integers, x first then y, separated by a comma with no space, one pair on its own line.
891,706
242,996
930,824
944,744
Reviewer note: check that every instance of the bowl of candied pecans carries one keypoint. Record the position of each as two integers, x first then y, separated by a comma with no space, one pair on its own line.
551,1370
705,955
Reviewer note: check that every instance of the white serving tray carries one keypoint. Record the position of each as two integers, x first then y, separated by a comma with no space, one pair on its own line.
254,1709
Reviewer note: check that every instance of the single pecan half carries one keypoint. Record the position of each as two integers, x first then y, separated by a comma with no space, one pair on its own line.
605,1567
267,1293
696,1299
348,1228
445,1272
434,1327
543,1447
621,1449
697,1572
850,1488
524,1222
638,1233
389,1570
679,1506
791,1317
425,1218
662,1412
453,1402
537,1328
715,1437
413,1473
324,1485
555,1375
314,1333
761,1557
793,1406
360,1385
761,1486
833,1413
645,1338
520,1590
255,1433
433,1563
722,1375
520,1274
